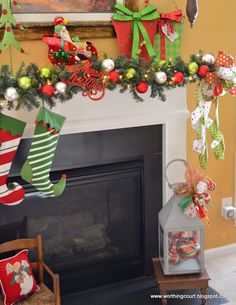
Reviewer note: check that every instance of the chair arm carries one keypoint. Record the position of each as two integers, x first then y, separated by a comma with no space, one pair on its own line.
56,283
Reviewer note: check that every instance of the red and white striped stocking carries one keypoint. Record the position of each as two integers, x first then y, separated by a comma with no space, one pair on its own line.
14,193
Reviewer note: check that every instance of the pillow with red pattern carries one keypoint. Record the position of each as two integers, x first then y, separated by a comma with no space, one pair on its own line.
16,278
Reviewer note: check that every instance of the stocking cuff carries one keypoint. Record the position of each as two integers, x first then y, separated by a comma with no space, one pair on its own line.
14,126
54,120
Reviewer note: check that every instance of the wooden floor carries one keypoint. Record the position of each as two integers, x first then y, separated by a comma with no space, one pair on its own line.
222,272
137,292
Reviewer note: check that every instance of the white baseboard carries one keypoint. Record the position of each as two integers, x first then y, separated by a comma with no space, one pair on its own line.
220,251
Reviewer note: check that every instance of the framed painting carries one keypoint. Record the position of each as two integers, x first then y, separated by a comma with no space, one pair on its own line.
87,18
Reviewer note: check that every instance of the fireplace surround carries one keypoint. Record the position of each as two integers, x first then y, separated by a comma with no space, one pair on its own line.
113,153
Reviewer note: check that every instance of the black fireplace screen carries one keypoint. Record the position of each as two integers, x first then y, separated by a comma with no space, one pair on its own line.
103,228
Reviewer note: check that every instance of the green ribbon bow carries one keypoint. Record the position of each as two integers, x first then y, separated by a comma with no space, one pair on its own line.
62,54
184,203
148,13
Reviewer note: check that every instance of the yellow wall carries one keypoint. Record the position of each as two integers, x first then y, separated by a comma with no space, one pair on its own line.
214,30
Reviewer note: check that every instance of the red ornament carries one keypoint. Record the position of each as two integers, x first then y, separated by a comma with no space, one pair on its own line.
203,70
142,87
47,90
114,76
4,11
178,78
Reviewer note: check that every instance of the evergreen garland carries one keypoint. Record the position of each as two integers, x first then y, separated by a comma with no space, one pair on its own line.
32,97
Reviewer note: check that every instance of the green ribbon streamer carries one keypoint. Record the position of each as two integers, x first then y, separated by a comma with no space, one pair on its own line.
184,203
147,14
62,54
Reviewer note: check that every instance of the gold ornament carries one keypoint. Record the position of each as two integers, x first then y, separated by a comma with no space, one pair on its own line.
161,63
24,82
3,103
45,72
193,68
130,73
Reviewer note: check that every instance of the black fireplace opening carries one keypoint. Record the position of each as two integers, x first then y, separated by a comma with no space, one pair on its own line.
103,228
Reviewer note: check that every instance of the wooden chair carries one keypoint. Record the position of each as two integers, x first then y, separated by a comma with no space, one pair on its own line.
44,296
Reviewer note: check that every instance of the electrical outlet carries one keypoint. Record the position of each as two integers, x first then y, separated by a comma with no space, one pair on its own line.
226,202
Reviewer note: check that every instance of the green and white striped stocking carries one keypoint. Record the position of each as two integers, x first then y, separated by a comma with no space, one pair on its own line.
37,167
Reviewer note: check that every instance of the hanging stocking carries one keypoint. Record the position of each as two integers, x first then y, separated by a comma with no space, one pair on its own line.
11,131
38,165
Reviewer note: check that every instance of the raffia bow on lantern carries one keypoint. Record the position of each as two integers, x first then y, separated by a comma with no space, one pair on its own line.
147,14
167,20
194,193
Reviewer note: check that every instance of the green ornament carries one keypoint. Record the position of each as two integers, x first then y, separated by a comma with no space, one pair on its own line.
193,68
130,73
161,63
45,72
24,82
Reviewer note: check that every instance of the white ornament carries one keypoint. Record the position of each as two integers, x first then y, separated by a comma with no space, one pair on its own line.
60,87
201,187
108,65
208,59
11,94
225,73
160,77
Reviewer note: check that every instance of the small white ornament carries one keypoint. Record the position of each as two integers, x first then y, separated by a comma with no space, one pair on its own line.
60,87
160,77
108,65
11,94
201,187
208,59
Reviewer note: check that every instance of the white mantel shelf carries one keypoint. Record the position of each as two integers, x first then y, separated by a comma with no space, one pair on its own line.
118,110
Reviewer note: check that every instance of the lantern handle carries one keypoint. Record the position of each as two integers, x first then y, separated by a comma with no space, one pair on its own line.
171,186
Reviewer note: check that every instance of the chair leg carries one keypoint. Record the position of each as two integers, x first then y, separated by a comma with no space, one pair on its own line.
56,289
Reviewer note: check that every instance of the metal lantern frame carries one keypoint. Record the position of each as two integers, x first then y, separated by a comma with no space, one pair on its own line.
172,220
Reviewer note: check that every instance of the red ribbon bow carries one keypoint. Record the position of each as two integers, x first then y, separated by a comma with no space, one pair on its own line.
168,20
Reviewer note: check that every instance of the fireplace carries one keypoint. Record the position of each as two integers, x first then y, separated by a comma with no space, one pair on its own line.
115,149
103,229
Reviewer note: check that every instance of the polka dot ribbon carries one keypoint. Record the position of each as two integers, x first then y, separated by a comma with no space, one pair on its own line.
201,122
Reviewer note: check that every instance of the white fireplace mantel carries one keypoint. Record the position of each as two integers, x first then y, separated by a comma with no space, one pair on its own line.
121,111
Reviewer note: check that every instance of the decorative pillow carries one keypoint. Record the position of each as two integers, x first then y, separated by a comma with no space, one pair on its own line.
16,278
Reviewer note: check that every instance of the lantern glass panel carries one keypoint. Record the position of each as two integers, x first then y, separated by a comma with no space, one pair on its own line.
185,253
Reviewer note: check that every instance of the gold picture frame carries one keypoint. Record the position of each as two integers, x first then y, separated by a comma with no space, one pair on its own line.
82,29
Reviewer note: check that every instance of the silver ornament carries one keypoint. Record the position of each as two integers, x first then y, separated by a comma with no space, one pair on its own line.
11,94
208,59
60,87
108,65
160,77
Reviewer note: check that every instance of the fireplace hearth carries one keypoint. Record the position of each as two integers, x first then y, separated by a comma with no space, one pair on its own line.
103,229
